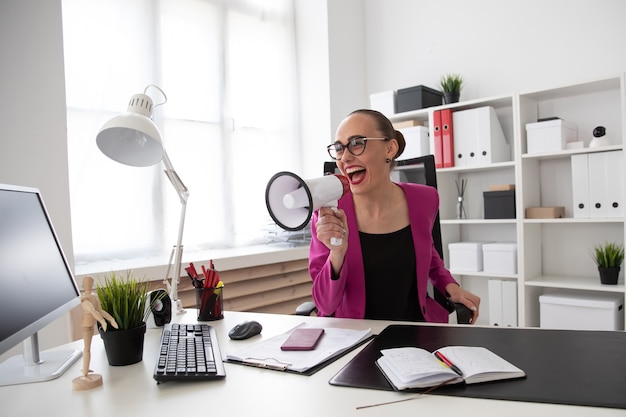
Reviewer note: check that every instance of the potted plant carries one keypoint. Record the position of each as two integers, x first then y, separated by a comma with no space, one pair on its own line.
451,85
125,299
608,257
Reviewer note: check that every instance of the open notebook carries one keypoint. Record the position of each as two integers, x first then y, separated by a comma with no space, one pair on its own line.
411,367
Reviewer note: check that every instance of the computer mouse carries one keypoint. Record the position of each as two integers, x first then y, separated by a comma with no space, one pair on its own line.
245,330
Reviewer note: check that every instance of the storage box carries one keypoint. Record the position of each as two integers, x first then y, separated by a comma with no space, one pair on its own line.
419,97
501,187
545,212
582,312
499,204
466,256
550,136
500,258
417,142
406,123
384,102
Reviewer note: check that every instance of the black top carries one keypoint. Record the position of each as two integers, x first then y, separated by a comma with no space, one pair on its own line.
390,276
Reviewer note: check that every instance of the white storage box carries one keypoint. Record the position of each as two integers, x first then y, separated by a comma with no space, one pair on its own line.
550,136
582,312
500,258
466,256
417,143
384,102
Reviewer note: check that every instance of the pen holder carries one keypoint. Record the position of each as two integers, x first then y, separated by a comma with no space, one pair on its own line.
210,303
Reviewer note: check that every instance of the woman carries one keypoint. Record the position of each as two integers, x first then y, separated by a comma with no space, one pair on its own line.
381,268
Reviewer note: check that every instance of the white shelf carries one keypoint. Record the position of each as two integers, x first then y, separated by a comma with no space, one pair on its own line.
574,283
477,221
491,167
569,152
571,220
483,274
551,252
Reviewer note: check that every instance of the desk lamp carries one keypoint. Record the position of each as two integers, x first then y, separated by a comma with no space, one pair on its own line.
133,139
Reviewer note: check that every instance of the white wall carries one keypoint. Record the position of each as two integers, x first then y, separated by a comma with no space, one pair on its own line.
500,47
33,143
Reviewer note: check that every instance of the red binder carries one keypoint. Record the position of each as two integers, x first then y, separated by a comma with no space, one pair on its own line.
447,138
438,139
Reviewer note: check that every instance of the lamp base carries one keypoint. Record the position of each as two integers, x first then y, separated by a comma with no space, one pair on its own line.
178,305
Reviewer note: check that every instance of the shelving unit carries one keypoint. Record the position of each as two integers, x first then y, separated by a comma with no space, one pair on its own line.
552,254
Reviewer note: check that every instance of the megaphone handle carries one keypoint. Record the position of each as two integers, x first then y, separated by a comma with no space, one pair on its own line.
335,241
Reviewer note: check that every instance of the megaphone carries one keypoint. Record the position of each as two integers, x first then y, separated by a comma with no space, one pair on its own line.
291,200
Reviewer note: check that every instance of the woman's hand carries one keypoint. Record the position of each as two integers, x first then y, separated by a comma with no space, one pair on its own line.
469,300
332,231
332,228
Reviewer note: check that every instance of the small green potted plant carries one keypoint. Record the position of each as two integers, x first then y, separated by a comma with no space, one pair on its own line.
451,85
124,297
608,257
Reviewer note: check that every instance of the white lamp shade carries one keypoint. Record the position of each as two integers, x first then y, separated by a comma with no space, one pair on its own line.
132,138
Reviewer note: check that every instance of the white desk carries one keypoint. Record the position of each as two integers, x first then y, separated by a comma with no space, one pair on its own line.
246,391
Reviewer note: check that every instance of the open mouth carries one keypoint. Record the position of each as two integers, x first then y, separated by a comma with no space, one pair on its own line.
355,174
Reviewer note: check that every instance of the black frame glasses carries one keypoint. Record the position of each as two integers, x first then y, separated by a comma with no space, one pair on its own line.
356,146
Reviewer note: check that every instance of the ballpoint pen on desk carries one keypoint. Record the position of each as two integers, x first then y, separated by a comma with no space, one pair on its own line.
448,362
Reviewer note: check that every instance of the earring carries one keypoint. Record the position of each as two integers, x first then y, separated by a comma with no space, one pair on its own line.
387,160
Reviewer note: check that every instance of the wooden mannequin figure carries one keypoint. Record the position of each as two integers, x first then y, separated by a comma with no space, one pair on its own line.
92,312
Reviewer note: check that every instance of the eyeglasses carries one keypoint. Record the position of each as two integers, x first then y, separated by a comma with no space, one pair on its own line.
356,146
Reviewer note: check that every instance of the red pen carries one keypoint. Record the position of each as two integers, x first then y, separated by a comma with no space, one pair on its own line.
193,270
207,281
448,362
214,277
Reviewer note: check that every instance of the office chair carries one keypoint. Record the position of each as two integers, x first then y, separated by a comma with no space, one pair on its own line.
424,172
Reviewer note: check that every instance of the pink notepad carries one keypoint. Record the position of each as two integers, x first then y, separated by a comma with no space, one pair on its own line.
303,339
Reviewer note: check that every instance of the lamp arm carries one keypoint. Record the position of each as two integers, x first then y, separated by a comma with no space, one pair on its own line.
181,189
183,194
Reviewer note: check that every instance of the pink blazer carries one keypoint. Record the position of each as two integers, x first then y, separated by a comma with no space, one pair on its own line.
345,297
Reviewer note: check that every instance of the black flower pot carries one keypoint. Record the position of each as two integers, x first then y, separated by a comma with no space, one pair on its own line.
123,347
609,275
451,97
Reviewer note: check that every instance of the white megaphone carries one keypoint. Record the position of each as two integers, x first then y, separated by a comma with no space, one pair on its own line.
291,200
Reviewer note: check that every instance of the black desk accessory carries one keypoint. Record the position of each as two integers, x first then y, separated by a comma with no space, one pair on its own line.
562,366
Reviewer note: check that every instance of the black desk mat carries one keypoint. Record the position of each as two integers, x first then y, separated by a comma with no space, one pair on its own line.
562,366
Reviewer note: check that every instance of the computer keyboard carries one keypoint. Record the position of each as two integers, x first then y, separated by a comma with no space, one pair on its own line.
189,352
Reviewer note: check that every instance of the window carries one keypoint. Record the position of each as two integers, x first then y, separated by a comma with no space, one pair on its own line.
228,70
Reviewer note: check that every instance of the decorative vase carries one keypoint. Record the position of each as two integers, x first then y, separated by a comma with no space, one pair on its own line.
609,275
451,97
123,347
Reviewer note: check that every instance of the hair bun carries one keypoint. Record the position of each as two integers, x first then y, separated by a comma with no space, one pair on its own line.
401,143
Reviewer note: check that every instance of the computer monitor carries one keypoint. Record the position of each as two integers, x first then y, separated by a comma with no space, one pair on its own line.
36,287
